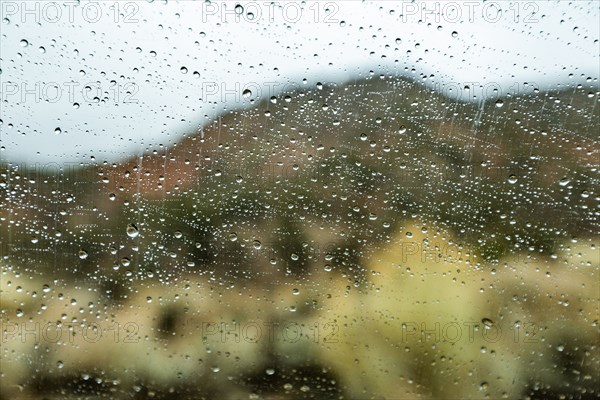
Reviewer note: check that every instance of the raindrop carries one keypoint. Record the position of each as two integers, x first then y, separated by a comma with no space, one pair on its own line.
454,34
564,182
487,323
183,70
24,43
512,179
132,231
83,254
247,93
499,103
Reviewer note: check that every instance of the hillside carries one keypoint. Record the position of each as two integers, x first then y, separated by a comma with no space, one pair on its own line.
330,166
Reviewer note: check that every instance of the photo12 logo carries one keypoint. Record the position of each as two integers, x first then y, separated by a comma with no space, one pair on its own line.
75,93
54,332
256,332
270,11
453,332
469,11
69,12
250,92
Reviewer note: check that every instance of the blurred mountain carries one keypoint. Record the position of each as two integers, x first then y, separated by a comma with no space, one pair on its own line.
325,170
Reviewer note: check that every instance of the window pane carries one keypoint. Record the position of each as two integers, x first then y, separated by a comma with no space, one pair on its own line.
289,200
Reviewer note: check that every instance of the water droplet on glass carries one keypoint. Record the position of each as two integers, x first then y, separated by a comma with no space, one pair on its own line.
24,43
512,179
487,323
183,70
83,254
132,231
499,103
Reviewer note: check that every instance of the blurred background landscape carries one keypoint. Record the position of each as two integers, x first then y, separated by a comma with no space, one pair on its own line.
355,214
412,212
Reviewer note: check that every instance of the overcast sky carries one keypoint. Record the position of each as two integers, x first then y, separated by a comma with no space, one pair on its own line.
155,71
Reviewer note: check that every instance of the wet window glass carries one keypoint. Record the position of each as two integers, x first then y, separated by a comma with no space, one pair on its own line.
299,200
